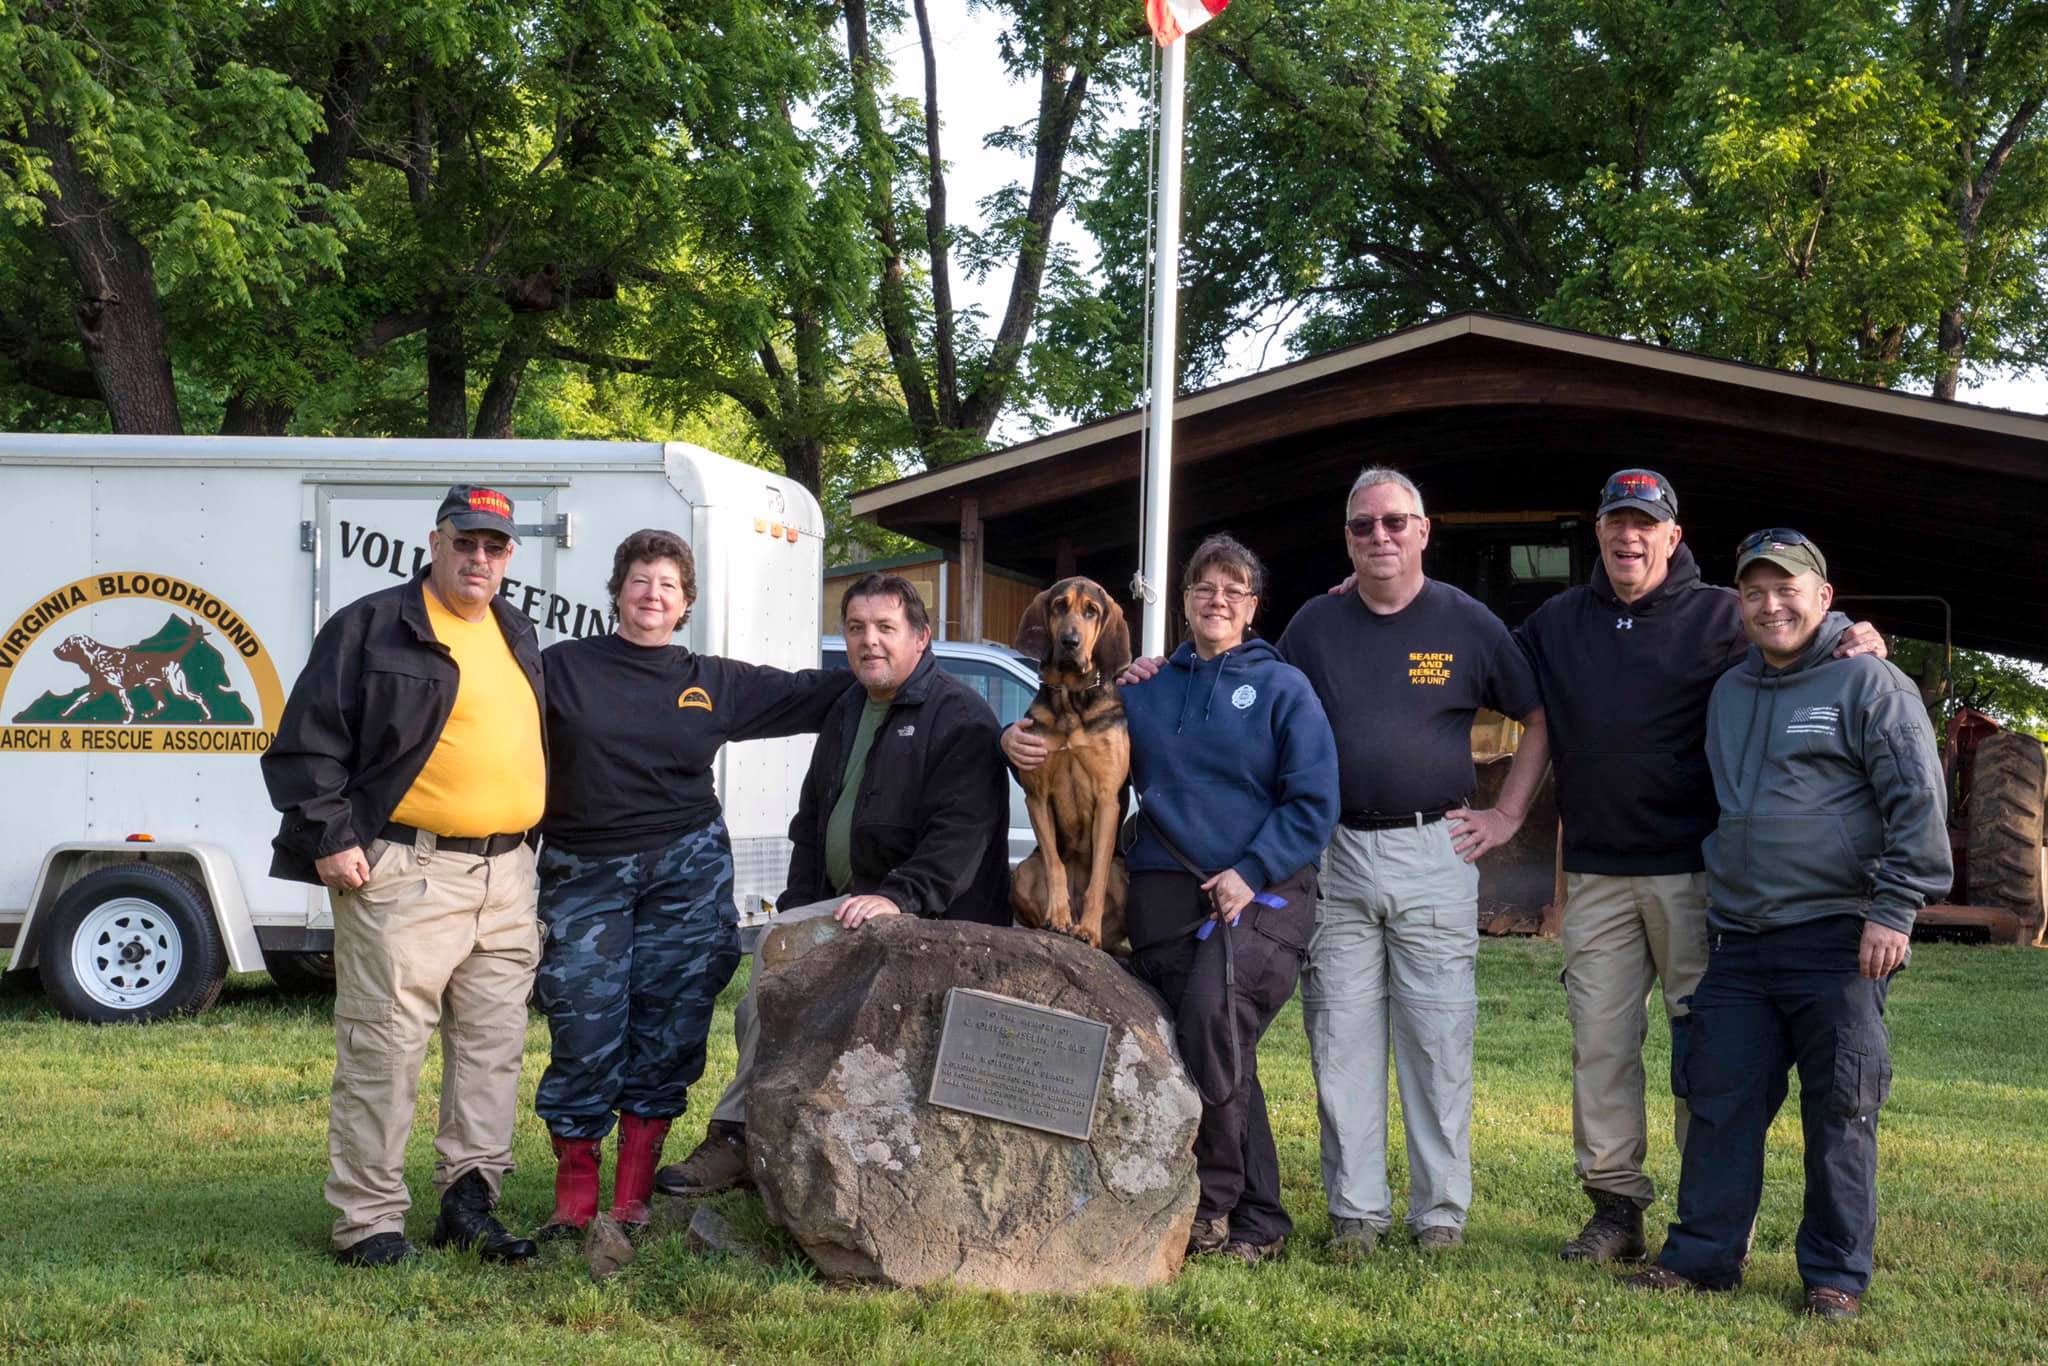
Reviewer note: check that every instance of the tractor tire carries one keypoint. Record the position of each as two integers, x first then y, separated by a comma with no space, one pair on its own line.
134,943
2008,790
301,974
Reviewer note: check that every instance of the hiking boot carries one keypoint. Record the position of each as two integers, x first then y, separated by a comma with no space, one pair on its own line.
718,1163
1613,1234
1352,1240
466,1222
1658,1277
1826,1302
379,1249
576,1161
1208,1235
1439,1238
640,1143
1251,1254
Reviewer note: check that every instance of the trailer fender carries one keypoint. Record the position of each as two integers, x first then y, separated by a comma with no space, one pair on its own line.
207,864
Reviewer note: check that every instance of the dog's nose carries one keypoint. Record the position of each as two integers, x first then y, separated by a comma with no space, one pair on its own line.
1070,638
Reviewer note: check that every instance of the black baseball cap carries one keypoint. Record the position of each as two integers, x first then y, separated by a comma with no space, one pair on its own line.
472,507
1643,490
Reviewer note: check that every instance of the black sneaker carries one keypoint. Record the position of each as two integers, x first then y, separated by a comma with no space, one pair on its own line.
379,1249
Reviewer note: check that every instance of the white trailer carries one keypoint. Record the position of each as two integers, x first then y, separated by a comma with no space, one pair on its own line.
158,596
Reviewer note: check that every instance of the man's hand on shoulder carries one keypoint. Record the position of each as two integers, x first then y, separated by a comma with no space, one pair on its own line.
1022,746
1862,639
1477,831
344,870
856,911
1349,585
1884,951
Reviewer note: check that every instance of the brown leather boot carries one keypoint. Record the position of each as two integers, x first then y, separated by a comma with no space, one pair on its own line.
1613,1234
718,1163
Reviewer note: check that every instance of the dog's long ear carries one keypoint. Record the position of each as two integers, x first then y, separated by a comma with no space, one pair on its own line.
1113,643
1032,637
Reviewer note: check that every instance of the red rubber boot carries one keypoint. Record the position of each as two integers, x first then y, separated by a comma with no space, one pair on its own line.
640,1143
576,1162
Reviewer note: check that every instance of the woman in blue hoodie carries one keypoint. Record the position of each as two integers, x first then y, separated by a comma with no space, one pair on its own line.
1234,763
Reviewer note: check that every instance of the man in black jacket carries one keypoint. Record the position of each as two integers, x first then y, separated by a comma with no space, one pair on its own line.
1625,665
903,813
409,766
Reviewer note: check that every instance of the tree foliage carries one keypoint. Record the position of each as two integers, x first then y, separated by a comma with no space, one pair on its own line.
1846,187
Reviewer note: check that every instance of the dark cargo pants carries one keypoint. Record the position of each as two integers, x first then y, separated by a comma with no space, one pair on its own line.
635,949
1769,1002
1234,1154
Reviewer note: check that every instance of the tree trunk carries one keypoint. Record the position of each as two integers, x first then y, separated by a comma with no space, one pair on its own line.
494,409
117,311
447,379
248,415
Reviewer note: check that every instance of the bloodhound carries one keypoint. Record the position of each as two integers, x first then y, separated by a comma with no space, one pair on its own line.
1073,883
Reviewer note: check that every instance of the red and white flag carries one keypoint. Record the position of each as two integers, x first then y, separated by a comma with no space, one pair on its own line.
1170,19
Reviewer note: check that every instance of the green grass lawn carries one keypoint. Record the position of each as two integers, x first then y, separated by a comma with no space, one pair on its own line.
160,1201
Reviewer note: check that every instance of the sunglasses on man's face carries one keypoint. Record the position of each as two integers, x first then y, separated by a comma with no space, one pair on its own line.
1775,535
1394,522
467,546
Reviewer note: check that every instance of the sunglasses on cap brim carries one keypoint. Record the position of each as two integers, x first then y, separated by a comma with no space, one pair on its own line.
1775,535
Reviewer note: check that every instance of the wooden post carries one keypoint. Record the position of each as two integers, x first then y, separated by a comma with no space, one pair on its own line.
971,596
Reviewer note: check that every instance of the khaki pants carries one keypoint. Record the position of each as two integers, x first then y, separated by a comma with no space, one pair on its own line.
1621,934
432,939
746,1018
1393,961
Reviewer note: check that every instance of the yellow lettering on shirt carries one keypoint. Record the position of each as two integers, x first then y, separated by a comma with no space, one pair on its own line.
486,775
1429,668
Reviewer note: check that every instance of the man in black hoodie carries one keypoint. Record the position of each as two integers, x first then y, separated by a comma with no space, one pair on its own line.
1625,665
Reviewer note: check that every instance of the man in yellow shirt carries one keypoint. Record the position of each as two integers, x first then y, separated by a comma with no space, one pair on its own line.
409,767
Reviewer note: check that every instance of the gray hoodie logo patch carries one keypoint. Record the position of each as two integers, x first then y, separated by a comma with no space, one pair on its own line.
1814,721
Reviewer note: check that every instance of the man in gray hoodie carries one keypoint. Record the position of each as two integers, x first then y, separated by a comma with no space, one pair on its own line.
1832,835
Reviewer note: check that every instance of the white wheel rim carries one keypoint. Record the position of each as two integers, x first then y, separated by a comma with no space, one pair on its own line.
127,953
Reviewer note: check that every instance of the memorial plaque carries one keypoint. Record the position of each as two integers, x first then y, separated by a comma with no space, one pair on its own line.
1025,1064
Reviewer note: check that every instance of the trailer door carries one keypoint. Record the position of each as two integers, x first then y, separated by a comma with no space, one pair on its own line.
370,535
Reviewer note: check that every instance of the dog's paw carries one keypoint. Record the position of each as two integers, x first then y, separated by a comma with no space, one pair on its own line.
1088,935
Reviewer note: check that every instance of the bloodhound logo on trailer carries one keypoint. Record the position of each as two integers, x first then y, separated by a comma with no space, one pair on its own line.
133,678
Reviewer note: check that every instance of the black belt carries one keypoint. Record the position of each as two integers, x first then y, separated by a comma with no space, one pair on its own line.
490,846
1382,820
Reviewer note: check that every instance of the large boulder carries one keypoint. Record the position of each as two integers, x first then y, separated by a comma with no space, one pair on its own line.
878,1185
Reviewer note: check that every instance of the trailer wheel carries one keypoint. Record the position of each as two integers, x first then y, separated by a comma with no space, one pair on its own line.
301,974
2008,788
134,943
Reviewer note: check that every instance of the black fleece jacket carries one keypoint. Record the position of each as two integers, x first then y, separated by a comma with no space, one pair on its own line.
930,822
1625,689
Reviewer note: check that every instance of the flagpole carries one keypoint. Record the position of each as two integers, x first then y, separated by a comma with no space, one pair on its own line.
1156,529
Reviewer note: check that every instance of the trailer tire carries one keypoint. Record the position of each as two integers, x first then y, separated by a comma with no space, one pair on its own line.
135,943
301,974
2008,791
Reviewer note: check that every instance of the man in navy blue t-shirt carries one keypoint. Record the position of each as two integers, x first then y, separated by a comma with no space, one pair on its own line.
1400,664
